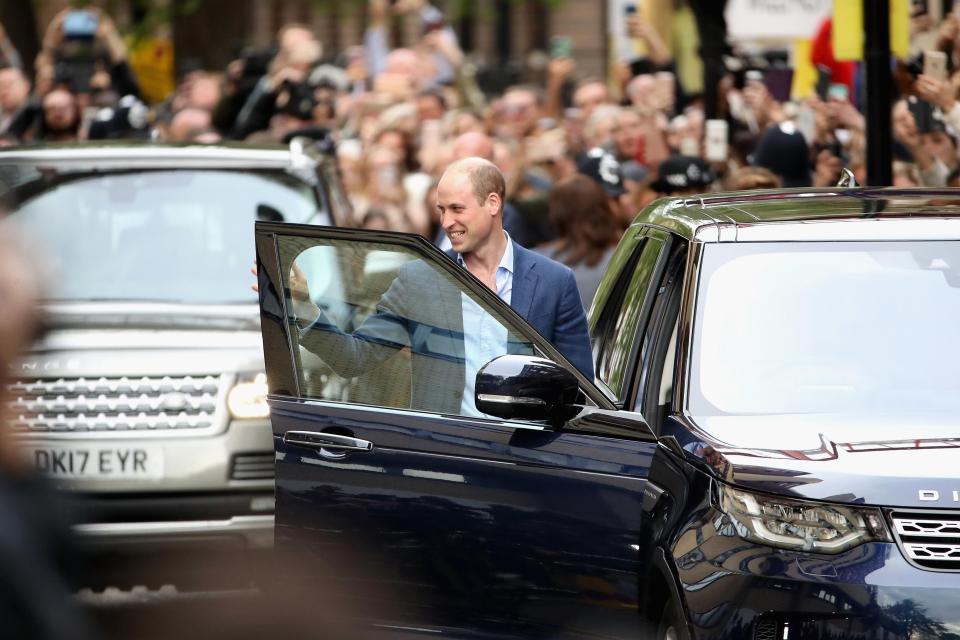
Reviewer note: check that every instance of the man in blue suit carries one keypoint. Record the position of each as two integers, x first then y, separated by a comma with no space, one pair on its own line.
449,336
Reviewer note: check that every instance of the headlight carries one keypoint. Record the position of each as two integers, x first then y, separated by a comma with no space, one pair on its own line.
248,398
804,526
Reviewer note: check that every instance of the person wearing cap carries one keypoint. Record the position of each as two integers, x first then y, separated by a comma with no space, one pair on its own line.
784,151
602,166
637,181
683,176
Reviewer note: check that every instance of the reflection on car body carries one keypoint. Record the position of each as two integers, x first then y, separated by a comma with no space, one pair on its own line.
774,407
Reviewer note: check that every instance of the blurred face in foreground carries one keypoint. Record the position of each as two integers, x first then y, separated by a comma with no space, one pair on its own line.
467,220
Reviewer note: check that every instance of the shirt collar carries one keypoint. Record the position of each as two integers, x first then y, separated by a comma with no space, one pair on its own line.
506,262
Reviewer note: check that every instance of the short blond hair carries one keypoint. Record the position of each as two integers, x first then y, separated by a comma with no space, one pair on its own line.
484,176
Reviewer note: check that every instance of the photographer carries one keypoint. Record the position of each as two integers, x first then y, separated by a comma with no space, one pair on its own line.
299,51
83,52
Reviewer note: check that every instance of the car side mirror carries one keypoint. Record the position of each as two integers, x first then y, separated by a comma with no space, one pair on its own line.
525,388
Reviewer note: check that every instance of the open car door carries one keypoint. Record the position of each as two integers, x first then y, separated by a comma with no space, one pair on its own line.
395,487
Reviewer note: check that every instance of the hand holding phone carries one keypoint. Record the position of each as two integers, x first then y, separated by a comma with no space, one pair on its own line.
715,144
935,64
80,23
838,92
922,112
561,47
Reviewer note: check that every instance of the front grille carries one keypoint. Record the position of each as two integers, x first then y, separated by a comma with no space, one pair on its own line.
766,630
929,539
252,466
67,405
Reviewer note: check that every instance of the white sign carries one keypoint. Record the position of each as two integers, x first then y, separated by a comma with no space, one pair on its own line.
776,19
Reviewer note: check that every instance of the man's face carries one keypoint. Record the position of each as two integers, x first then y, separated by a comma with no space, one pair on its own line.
293,38
589,97
628,134
520,113
429,108
641,90
59,111
468,223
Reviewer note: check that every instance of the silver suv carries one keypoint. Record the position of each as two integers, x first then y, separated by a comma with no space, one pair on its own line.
146,396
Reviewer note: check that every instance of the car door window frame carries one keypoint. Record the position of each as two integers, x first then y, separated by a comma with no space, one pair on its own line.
653,341
271,282
624,396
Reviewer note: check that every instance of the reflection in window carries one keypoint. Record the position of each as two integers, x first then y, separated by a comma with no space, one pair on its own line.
375,324
851,327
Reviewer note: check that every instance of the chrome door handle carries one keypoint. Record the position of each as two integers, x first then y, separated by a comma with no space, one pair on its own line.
329,441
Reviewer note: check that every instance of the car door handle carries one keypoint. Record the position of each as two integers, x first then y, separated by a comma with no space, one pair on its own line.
329,441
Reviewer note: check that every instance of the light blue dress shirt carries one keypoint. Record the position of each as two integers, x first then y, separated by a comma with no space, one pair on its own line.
484,338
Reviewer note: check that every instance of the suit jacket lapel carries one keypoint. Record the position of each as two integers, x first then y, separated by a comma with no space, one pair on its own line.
524,281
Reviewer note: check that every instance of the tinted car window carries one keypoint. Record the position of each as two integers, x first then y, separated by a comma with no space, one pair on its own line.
851,327
178,236
390,329
629,300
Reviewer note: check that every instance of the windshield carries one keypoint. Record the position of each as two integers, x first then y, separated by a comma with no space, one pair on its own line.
844,327
170,236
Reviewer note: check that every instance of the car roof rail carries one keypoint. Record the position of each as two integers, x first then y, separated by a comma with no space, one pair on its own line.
302,164
847,179
319,138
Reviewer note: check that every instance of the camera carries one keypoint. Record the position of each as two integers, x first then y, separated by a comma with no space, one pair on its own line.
77,56
300,100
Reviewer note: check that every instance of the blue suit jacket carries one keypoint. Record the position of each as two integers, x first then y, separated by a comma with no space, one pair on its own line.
545,294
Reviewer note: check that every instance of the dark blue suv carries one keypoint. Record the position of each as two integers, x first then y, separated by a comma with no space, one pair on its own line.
770,449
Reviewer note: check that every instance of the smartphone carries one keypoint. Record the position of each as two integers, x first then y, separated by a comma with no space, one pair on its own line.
935,64
715,144
80,23
630,8
779,82
839,92
561,47
922,113
824,76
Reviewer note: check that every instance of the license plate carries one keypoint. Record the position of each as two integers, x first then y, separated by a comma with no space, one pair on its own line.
91,461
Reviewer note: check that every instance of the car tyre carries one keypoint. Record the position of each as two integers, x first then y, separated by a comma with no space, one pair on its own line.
671,625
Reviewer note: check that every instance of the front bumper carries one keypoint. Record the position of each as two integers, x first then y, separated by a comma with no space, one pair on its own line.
733,588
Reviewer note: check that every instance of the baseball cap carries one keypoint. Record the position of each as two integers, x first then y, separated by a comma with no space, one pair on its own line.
602,166
679,172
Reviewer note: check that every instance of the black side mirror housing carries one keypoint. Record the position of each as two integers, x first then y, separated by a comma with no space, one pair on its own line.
526,388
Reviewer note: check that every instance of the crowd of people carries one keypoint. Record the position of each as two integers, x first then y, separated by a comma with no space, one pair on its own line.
582,155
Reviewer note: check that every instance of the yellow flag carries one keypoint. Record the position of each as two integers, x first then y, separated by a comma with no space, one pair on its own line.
152,61
847,33
804,72
900,28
